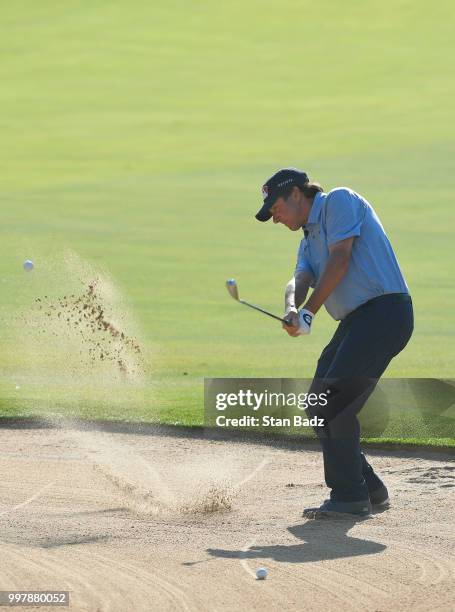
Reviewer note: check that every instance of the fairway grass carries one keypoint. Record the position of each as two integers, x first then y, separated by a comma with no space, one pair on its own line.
138,135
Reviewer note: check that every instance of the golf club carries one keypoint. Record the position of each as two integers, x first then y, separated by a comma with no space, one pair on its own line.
233,289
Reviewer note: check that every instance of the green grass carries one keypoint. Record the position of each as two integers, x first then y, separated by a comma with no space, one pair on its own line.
139,134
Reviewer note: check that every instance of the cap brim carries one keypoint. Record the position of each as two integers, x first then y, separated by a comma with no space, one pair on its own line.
264,214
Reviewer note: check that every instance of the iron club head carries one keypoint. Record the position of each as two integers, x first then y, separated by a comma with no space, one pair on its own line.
231,286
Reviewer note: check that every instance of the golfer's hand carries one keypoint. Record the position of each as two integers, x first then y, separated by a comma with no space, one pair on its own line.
292,316
305,320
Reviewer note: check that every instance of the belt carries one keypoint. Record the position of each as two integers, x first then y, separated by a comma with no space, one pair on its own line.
396,297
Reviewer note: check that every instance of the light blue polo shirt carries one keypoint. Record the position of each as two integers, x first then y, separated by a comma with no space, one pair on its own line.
373,268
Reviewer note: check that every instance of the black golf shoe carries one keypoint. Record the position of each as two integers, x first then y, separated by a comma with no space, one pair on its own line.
380,498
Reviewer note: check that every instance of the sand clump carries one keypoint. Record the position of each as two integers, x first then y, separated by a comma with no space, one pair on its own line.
148,502
147,496
84,314
217,498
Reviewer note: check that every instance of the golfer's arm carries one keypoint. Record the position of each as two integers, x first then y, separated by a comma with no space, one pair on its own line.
297,290
335,269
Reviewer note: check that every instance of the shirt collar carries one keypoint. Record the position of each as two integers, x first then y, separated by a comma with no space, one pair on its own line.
316,207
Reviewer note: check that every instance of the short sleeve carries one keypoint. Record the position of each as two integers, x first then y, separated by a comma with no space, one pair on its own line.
303,265
344,215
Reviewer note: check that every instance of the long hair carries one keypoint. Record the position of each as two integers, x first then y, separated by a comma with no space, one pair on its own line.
309,190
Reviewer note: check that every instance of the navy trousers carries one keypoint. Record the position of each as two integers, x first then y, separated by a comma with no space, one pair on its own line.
348,369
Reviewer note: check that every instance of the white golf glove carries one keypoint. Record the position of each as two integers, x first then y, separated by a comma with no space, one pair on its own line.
305,320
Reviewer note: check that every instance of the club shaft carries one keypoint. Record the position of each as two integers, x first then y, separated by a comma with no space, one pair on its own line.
264,311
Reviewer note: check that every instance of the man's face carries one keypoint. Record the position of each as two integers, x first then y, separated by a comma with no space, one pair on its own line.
288,212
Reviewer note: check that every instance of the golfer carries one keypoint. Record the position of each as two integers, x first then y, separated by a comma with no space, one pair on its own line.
348,261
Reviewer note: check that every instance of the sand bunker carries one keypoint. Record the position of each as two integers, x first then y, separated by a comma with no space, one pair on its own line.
152,522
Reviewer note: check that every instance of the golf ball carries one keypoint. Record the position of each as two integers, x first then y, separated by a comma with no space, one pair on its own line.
231,281
28,265
261,573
